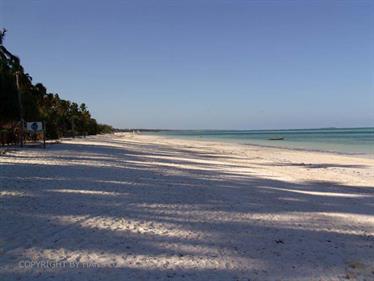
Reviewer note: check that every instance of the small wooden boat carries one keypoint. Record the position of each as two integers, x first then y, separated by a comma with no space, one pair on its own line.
276,139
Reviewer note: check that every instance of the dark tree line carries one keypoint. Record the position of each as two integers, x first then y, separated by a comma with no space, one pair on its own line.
20,98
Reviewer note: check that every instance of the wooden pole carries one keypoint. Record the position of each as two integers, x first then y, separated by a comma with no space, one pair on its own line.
44,134
72,126
20,109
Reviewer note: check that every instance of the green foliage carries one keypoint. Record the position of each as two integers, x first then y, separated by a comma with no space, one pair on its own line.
62,117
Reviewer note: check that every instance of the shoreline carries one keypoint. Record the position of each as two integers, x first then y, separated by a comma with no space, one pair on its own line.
302,158
352,154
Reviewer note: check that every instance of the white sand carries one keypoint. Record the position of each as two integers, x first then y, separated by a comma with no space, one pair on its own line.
153,208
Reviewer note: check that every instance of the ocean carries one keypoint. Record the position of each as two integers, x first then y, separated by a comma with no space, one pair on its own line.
347,140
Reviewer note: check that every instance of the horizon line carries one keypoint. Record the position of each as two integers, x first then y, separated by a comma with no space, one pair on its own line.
283,129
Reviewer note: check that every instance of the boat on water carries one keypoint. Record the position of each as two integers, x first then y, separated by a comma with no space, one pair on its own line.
276,139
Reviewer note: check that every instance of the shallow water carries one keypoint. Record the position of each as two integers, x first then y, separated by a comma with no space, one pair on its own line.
347,140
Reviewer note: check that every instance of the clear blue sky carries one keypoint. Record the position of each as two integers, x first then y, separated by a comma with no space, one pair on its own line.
202,64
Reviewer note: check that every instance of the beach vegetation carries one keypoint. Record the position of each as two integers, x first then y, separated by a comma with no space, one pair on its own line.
21,99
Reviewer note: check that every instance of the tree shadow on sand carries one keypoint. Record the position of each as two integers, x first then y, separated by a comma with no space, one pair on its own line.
168,217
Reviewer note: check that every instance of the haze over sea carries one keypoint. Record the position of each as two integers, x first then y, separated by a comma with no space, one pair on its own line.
341,140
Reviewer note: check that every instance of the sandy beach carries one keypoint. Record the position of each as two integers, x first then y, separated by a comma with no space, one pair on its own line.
139,207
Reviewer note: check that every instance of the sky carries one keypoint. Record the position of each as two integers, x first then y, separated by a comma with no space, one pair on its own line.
202,64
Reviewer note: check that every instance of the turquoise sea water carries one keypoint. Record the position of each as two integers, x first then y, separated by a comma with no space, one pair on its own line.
348,140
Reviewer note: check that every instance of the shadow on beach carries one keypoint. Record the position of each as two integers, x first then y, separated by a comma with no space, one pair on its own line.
158,212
